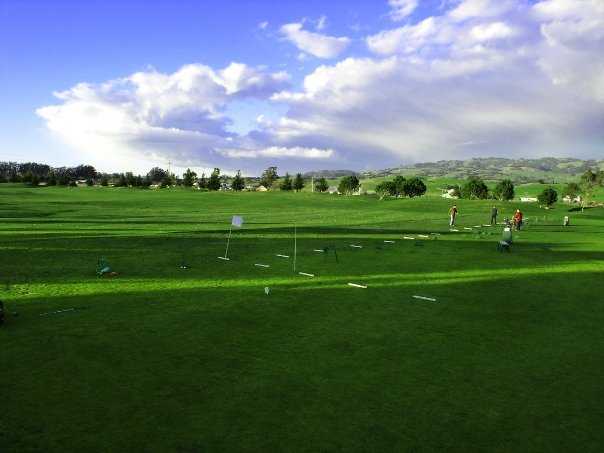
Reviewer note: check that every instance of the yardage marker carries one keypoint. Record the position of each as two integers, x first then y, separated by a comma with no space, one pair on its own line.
357,285
425,298
261,265
308,275
282,256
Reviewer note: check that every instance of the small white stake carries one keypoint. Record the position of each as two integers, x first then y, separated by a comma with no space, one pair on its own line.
318,250
224,258
356,285
261,265
389,242
425,298
282,256
308,275
356,246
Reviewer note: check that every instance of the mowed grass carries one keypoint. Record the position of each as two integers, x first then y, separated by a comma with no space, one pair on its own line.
509,358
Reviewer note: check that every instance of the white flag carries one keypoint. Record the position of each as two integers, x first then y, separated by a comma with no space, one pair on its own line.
237,221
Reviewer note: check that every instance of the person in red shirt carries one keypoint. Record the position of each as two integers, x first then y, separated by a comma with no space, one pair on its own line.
518,220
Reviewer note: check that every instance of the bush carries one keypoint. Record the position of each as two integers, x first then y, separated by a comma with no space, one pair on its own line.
414,187
548,197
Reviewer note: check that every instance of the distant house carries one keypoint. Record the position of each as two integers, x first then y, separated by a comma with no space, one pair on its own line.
449,193
528,199
568,199
261,188
332,190
81,183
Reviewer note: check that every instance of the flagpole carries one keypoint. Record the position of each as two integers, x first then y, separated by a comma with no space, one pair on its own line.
226,252
295,246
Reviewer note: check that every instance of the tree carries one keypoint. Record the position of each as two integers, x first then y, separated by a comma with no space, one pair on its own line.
157,174
588,186
386,188
269,176
475,188
203,181
572,190
89,182
548,197
189,178
104,181
414,187
121,181
298,182
321,185
52,179
286,183
214,181
348,184
238,182
35,180
504,190
399,184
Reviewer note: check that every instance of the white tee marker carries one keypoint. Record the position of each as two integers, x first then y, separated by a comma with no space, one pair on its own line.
356,285
425,298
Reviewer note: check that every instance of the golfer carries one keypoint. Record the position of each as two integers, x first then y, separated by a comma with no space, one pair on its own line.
494,213
453,214
518,220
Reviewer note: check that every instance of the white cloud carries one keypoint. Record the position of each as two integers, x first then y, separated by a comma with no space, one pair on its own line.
516,80
321,23
491,31
279,152
149,113
321,46
401,9
263,25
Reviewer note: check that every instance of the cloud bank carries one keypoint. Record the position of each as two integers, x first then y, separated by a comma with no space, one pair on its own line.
483,77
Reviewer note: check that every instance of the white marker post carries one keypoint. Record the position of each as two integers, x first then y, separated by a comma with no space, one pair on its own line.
295,246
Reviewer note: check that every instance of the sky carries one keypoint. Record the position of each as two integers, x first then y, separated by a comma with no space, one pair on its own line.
299,84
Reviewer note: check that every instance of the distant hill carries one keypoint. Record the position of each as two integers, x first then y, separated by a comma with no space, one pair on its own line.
329,174
548,169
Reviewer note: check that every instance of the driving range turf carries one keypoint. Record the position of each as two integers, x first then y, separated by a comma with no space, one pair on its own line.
510,356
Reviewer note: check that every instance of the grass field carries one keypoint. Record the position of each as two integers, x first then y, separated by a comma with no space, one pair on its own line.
509,358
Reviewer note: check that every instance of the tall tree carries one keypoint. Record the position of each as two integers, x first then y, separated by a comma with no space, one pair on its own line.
286,183
214,181
348,184
504,190
475,188
298,182
189,178
399,185
203,181
238,182
157,174
321,185
269,176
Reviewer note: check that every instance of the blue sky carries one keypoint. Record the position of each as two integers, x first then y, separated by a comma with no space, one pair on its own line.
301,84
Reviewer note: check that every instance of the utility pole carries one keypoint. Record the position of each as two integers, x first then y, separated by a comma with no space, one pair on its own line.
312,184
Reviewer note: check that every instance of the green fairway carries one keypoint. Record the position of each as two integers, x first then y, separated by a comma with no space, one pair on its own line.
509,358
